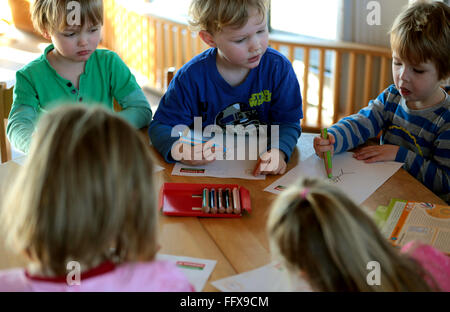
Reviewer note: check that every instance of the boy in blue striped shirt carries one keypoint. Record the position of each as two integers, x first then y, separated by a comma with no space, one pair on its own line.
413,114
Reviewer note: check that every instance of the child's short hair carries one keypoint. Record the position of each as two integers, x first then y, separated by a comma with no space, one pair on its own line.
318,230
49,16
86,192
422,33
213,15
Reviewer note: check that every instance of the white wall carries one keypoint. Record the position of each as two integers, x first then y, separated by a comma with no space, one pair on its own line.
355,28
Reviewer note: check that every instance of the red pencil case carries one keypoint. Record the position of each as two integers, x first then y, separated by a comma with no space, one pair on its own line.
179,199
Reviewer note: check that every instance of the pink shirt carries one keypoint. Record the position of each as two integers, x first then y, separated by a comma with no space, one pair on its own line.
436,263
139,276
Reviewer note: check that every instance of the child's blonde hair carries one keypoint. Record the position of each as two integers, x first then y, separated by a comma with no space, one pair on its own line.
422,33
319,231
86,193
49,16
214,15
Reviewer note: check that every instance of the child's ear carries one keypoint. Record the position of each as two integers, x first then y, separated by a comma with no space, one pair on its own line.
207,38
46,35
27,254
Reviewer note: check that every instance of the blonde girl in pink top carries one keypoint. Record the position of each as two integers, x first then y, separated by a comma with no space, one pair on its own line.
86,196
321,235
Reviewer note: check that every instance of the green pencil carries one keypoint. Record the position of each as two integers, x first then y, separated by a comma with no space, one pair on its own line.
327,159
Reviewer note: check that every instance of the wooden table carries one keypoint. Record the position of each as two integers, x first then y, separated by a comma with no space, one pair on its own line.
239,244
244,242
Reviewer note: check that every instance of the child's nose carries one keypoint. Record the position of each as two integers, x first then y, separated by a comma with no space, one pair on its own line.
255,45
404,74
82,41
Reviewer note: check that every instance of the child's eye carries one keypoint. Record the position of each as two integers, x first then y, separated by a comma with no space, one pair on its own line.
419,71
239,41
397,64
94,30
261,31
69,34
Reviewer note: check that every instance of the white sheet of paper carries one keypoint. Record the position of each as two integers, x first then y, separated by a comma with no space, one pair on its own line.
196,270
241,169
157,168
355,177
236,161
269,278
20,160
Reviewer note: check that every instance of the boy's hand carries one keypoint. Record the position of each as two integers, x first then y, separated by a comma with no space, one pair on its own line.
271,162
374,153
194,155
323,145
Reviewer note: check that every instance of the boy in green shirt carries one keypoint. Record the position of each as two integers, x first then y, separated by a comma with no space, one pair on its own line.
72,70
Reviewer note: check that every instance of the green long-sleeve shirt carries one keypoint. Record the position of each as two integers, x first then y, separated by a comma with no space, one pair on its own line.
39,88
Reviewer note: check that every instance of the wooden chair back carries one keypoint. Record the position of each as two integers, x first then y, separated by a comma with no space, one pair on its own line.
170,73
5,108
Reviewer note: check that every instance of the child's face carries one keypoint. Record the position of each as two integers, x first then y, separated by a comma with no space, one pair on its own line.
77,43
243,47
416,82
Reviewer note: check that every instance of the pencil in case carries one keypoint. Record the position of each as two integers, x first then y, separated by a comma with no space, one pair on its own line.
189,200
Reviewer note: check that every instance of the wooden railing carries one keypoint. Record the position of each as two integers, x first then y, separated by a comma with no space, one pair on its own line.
148,43
346,81
151,45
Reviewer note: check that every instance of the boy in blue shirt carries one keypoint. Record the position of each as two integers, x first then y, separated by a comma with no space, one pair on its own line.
239,72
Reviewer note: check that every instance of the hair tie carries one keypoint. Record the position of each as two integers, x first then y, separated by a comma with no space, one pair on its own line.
304,193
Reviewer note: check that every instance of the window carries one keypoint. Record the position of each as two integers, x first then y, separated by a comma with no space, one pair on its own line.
297,17
177,9
317,18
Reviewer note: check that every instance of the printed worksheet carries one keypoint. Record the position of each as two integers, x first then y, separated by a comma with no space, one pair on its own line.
269,278
236,156
355,177
242,169
407,221
196,270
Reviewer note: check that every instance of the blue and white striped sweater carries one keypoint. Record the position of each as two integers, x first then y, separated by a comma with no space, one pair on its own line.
423,136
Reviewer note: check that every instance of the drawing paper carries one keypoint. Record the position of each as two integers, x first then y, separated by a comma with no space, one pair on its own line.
196,270
269,278
355,177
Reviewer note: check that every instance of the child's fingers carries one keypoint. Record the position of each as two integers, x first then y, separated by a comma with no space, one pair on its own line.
257,170
370,157
264,158
270,167
210,150
271,162
208,145
321,150
321,146
331,138
362,155
374,159
196,152
321,141
209,154
282,168
261,165
279,170
267,167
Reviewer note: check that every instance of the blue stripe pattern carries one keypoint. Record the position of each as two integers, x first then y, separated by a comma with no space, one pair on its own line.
423,135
